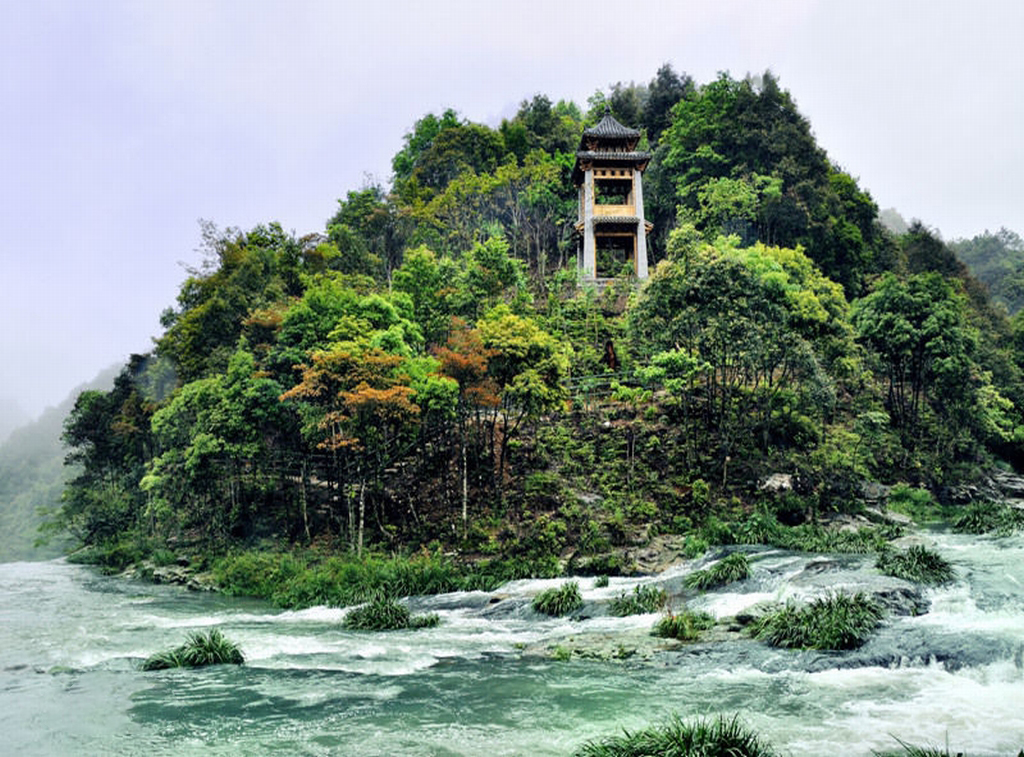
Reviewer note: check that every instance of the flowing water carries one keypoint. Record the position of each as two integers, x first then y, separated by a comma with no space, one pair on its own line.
72,642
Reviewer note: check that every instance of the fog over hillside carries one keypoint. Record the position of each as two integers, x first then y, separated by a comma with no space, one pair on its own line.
32,475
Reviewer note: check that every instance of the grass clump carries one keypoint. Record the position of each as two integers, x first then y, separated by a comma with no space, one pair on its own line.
684,626
383,613
917,563
734,567
644,599
989,518
910,750
835,621
676,738
561,600
199,650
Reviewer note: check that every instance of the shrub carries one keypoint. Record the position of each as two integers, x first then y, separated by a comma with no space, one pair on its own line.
601,581
835,621
384,614
701,738
197,651
916,503
684,626
915,564
734,567
559,601
644,599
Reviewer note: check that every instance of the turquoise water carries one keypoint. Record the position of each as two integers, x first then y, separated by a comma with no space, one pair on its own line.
72,641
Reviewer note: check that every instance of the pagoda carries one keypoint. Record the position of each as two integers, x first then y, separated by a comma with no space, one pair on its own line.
611,220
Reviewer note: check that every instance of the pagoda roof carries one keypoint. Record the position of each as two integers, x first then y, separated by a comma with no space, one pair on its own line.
609,128
633,156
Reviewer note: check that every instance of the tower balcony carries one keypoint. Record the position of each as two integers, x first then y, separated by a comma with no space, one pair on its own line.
615,210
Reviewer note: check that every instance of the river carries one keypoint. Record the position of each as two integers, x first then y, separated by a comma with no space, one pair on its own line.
73,641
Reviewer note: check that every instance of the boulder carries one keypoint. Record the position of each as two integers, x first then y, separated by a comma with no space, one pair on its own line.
777,483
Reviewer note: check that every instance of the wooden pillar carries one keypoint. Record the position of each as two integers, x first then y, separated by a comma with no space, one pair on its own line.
641,228
589,243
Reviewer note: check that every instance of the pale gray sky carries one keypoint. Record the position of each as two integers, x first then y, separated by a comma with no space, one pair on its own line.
123,123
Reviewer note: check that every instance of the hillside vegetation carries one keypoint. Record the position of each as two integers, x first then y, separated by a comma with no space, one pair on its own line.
426,374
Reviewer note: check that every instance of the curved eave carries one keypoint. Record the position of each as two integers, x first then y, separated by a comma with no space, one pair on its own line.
587,158
615,221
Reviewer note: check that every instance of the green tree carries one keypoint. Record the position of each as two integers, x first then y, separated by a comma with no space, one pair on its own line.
527,364
918,330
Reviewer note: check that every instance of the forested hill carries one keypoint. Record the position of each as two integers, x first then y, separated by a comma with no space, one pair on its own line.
426,371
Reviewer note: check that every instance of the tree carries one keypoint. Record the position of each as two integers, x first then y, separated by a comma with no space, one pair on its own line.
527,365
664,91
752,328
917,329
109,441
359,407
750,131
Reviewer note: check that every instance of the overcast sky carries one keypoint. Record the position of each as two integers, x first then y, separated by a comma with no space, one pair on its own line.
123,123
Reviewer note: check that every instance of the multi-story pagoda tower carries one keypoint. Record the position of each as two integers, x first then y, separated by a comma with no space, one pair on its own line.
611,209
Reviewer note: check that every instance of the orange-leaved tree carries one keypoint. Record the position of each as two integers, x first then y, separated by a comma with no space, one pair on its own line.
358,405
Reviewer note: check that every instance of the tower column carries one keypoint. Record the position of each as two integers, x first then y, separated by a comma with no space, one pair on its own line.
641,229
589,244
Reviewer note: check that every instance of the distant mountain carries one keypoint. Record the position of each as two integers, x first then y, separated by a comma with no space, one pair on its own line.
893,221
11,417
32,475
997,260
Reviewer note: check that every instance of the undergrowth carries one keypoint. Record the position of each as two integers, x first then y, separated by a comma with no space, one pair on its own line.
990,517
296,580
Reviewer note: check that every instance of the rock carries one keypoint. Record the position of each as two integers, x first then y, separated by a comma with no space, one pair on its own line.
887,516
1010,485
777,483
872,491
171,574
902,600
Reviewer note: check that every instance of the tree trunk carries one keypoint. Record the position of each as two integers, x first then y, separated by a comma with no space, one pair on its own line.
465,485
362,515
302,502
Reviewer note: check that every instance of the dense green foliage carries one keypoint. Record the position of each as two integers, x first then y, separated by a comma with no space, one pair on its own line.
835,621
426,374
734,567
560,600
198,651
716,737
916,563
